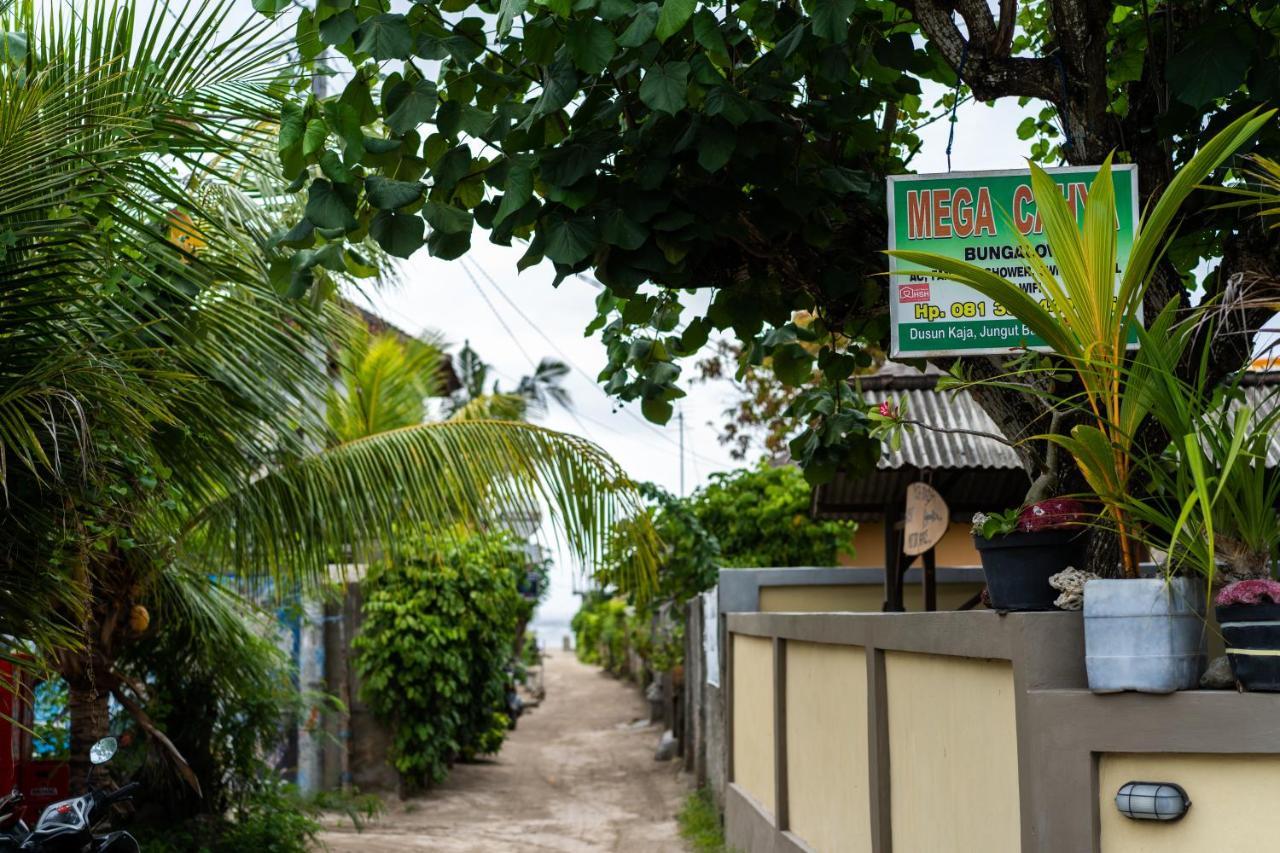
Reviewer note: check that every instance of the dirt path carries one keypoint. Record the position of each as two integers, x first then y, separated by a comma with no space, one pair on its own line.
577,775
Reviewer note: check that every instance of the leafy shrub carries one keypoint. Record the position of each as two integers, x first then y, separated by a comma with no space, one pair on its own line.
274,819
434,647
220,689
760,518
602,630
750,517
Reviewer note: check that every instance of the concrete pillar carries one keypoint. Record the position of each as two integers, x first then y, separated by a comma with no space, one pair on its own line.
311,682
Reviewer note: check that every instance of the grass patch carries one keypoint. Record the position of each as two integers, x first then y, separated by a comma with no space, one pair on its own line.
700,823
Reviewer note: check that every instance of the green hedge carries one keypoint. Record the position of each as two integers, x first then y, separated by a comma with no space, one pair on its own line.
433,651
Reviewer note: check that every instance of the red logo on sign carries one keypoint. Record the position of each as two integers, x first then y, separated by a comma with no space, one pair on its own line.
913,293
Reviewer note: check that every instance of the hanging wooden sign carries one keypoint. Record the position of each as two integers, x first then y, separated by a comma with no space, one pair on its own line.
926,520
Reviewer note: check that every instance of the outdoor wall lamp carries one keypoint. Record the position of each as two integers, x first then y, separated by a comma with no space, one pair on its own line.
1152,801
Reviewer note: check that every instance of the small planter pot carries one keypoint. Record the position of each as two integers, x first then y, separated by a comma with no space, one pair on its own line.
1252,636
1144,634
1018,566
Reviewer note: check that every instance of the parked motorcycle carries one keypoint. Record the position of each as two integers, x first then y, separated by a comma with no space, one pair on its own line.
67,826
13,830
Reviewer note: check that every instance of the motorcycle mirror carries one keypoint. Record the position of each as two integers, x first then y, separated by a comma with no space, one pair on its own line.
102,751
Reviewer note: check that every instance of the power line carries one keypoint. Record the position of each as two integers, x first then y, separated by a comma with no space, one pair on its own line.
594,382
512,335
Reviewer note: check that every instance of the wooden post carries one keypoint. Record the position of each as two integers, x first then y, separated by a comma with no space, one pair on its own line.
930,580
892,562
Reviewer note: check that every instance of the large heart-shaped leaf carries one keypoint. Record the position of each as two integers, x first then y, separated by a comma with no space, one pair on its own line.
387,194
641,26
335,30
619,230
570,239
447,218
665,88
386,37
1211,66
328,207
399,234
656,411
519,189
673,16
414,105
590,44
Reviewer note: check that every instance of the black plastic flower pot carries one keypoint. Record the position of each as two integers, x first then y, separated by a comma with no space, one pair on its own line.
1251,633
1018,566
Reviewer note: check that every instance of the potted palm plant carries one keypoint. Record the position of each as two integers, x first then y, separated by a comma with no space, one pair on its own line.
1140,633
1211,509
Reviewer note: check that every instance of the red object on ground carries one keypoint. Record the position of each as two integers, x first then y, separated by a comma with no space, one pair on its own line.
1053,514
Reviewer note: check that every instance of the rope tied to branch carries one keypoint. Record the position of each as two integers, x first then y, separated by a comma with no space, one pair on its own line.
955,100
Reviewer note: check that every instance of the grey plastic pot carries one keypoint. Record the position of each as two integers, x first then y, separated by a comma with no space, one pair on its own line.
1144,634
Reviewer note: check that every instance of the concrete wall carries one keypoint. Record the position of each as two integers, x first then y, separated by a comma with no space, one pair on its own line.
796,589
832,589
752,748
1232,796
826,731
898,733
358,755
955,550
857,597
953,753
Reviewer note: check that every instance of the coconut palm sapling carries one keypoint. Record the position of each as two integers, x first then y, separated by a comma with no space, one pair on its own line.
1089,320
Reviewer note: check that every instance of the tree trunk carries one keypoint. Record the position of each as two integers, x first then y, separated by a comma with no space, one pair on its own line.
87,706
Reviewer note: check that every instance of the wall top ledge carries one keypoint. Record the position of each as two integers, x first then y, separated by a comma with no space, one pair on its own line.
1047,649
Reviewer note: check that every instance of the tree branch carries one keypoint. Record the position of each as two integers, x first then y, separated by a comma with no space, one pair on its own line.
987,73
1003,43
982,26
990,436
153,732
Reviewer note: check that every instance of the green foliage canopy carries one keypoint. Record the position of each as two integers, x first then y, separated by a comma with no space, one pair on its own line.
741,147
761,519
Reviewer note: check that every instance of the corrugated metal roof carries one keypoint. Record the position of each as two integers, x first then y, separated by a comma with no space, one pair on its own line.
1264,398
967,490
943,447
972,472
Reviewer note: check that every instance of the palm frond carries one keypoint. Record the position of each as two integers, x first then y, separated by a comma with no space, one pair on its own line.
383,383
296,520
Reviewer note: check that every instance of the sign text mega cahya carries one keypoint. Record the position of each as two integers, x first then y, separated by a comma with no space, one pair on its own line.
977,217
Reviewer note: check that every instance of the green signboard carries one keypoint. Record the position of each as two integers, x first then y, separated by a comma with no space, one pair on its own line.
975,216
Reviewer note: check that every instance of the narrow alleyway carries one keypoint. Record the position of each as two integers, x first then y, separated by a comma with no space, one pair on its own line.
577,775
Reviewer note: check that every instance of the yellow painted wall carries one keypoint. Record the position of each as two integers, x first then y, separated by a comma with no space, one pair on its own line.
1232,803
856,598
829,805
953,754
954,551
753,718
